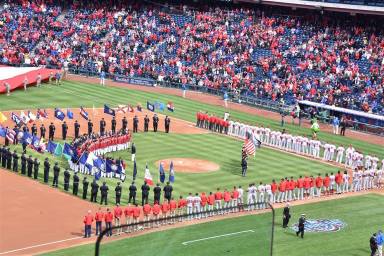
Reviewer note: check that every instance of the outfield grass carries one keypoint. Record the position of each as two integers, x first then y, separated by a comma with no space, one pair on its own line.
269,164
362,214
73,94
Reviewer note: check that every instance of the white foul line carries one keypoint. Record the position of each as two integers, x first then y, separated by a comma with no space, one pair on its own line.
213,237
39,245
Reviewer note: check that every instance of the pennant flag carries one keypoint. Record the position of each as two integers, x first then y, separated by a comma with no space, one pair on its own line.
249,147
138,108
69,114
148,176
68,151
24,117
83,113
59,114
162,173
3,131
99,163
3,118
150,106
134,170
15,118
51,147
10,135
130,109
170,107
109,111
171,173
58,150
31,117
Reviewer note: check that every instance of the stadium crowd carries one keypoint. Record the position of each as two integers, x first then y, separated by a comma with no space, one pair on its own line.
248,51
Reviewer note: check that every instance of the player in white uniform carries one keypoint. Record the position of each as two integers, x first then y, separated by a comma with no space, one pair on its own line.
278,139
269,194
317,149
348,155
355,181
366,179
196,206
371,183
340,152
326,152
332,182
273,138
375,160
240,199
251,199
305,147
261,189
360,176
289,142
379,177
331,152
190,200
345,187
267,135
368,162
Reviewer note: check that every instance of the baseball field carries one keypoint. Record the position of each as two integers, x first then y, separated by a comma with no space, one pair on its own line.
186,145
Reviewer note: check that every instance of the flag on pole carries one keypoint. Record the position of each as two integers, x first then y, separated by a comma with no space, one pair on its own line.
25,137
24,117
31,117
249,147
162,173
68,151
3,118
148,176
171,173
3,131
41,114
10,135
170,106
130,109
122,109
138,108
58,150
150,106
69,114
51,147
109,111
83,113
15,118
59,114
134,170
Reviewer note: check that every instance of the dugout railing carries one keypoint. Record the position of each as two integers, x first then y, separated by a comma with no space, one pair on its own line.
250,209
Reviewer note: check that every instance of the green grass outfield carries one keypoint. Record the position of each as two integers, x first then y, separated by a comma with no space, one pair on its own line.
73,94
362,214
151,147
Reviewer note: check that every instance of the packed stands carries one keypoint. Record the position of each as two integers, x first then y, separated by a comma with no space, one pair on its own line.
282,58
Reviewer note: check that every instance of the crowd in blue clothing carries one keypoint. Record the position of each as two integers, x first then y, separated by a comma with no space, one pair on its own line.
249,51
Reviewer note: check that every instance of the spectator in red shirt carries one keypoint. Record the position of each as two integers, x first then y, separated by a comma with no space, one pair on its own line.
88,219
108,217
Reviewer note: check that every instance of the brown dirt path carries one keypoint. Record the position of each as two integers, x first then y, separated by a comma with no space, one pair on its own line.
190,165
217,101
177,125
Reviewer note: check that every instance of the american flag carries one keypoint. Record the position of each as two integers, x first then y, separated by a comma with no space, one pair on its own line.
249,147
11,135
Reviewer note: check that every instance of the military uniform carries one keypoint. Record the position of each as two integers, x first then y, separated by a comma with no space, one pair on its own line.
102,126
85,187
167,123
168,191
64,130
132,193
75,187
34,130
77,129
1,155
56,173
118,193
90,127
124,124
47,166
146,123
16,140
15,161
23,164
301,226
42,131
29,166
135,123
67,176
144,193
104,193
113,125
155,121
36,165
51,131
9,159
157,194
94,190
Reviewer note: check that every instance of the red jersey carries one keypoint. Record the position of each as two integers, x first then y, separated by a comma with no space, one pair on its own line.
300,183
204,199
99,216
307,183
211,199
136,212
235,194
227,196
326,181
319,182
339,178
218,195
156,209
282,186
108,217
165,207
273,187
128,211
147,209
88,219
172,205
118,212
182,203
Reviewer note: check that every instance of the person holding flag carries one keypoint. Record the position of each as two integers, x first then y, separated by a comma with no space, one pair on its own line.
171,173
162,173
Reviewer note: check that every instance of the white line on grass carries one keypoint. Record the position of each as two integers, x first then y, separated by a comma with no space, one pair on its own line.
213,237
40,245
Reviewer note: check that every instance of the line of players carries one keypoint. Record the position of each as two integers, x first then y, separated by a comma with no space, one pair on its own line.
305,146
204,205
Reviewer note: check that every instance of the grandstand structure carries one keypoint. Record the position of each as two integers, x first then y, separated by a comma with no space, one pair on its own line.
260,54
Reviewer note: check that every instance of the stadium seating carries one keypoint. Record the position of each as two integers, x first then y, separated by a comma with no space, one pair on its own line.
280,58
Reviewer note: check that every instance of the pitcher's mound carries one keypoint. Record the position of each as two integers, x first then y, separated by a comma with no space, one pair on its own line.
189,165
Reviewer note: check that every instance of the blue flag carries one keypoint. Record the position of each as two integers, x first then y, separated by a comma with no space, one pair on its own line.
110,166
27,138
98,175
99,163
134,170
51,147
15,118
3,131
69,113
83,113
59,114
150,106
83,158
35,142
171,173
68,151
108,110
162,173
